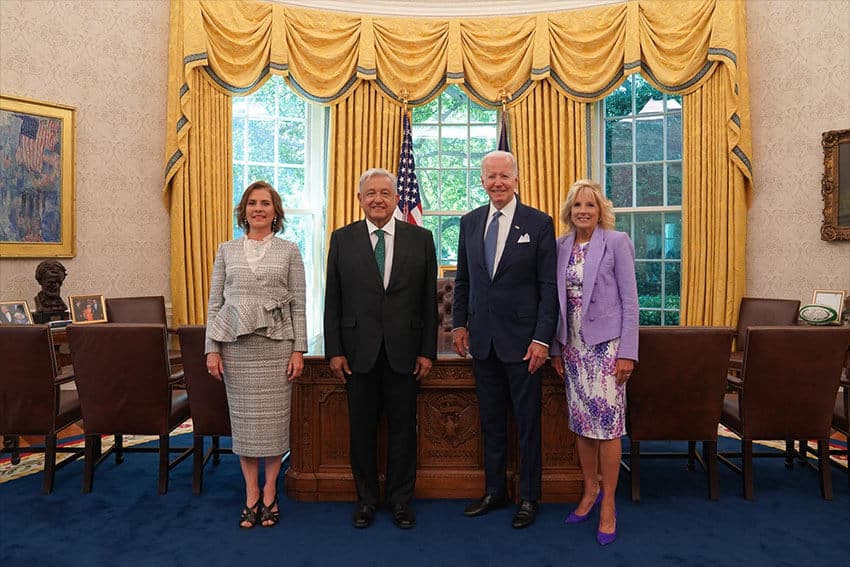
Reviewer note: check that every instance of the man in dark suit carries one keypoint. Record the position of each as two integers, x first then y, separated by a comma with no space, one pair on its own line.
504,314
381,338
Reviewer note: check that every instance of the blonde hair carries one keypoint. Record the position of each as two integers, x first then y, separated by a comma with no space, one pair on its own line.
606,207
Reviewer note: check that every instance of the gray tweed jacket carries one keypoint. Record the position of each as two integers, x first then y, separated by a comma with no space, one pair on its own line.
270,302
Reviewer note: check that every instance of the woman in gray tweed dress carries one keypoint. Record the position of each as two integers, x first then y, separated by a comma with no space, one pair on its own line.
256,339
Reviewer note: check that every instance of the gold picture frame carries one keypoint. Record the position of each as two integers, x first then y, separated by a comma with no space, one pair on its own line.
87,309
832,298
37,146
15,313
447,271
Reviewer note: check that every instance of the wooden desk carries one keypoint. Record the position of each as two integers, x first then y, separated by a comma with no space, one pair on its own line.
450,449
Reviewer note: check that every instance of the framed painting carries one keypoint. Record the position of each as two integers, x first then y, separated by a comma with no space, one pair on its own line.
36,179
87,309
15,313
447,271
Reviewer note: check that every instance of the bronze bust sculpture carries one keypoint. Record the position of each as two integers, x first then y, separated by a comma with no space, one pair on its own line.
50,274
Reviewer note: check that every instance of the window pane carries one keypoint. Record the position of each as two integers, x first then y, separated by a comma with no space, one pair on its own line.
477,195
623,222
291,137
426,142
291,105
261,140
454,104
290,185
647,236
644,92
482,140
672,284
238,181
259,173
674,136
618,141
619,102
481,115
427,113
238,143
650,317
650,135
618,184
673,235
650,184
428,187
453,146
649,283
453,190
674,183
671,317
449,233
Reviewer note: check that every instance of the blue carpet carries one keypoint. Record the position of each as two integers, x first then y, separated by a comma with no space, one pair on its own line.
125,522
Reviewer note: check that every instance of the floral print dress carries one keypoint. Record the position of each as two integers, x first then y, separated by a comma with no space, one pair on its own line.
595,402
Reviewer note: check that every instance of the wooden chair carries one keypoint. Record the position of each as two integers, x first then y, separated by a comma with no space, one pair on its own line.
31,399
760,311
207,402
786,391
676,393
143,309
126,387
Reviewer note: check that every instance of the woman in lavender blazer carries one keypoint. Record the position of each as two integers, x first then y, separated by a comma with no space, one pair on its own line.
596,344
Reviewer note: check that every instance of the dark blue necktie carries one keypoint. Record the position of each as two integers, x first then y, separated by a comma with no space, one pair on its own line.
491,237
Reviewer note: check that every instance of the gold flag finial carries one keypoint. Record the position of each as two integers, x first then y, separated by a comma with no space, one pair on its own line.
404,95
504,97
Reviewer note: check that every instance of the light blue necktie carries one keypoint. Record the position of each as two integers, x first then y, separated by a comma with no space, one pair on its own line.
491,238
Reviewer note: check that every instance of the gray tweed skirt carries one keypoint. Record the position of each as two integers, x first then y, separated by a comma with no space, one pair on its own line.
258,394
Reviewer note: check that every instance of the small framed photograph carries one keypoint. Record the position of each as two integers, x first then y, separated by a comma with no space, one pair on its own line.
832,298
87,309
15,313
448,271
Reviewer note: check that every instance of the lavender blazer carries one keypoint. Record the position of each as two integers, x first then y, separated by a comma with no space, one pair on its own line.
609,292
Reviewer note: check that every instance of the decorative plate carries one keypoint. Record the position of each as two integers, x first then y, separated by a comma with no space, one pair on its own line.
818,314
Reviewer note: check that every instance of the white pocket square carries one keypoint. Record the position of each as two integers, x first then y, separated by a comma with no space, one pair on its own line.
524,239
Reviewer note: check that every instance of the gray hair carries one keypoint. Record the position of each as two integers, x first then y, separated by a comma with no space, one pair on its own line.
374,172
502,154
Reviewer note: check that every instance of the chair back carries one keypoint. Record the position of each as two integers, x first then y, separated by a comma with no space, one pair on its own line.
148,309
790,379
207,396
763,311
445,296
676,390
27,389
122,376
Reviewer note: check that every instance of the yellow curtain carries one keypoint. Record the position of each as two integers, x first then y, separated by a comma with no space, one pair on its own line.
714,212
548,135
201,214
583,55
365,132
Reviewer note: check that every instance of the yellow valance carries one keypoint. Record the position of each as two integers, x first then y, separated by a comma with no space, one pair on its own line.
585,54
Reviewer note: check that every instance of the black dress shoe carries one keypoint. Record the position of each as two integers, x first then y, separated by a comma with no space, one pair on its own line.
487,503
403,516
363,516
526,514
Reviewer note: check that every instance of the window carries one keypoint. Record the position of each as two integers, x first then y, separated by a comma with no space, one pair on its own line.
280,138
641,131
451,135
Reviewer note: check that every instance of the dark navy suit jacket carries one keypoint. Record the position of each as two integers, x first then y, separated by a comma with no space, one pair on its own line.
520,304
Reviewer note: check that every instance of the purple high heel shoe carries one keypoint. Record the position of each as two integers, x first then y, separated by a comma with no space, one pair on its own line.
605,538
574,518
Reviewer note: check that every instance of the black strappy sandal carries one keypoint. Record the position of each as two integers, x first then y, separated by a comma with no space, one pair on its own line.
267,515
251,515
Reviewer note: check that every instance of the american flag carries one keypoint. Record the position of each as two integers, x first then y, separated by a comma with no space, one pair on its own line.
409,203
37,136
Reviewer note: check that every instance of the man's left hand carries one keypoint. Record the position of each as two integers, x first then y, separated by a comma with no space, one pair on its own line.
423,367
536,355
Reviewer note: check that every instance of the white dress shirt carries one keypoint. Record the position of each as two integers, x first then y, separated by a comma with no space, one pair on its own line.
504,228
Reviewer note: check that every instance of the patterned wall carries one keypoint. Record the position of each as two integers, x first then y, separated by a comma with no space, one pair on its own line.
108,58
799,56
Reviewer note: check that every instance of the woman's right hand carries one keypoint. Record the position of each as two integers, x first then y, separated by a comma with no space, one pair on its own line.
558,365
214,365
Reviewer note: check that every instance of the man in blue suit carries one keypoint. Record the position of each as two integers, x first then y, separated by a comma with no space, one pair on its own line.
504,315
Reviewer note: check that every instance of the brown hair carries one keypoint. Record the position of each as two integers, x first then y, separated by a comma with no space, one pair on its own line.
239,211
606,207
